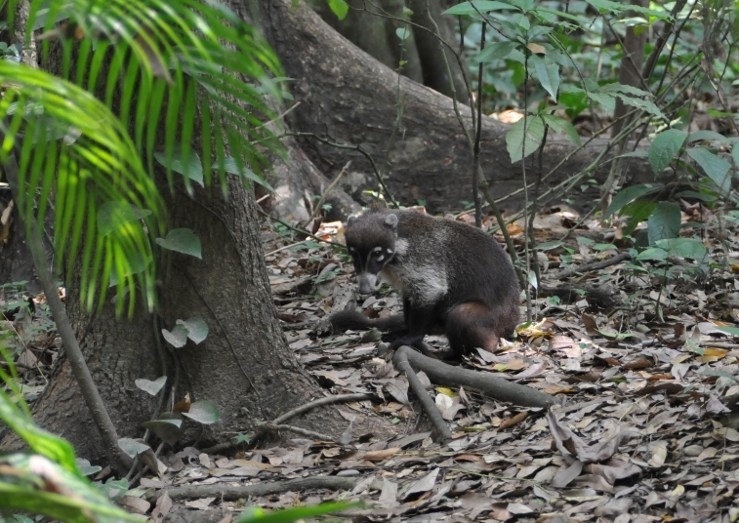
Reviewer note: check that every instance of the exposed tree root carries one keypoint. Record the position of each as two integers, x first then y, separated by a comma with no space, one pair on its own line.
231,493
278,423
401,362
496,388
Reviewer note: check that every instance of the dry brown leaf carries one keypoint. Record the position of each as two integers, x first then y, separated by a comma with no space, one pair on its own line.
614,470
639,362
519,509
379,455
200,504
568,442
163,506
591,327
509,422
389,494
711,355
658,452
715,406
536,48
425,484
134,504
565,476
183,405
595,482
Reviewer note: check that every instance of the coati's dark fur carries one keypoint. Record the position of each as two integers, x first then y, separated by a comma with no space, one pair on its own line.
451,276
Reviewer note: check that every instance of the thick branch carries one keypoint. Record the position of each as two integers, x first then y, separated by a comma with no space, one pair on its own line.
400,360
496,388
231,493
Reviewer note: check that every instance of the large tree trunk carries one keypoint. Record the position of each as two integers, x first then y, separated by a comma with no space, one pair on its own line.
244,366
350,98
373,25
631,65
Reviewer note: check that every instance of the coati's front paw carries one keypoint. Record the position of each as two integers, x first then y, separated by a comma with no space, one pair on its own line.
412,341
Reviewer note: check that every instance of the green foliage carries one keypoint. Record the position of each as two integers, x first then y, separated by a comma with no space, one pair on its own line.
524,137
258,515
151,387
46,480
339,7
194,328
716,167
664,222
132,447
664,149
663,218
135,76
205,412
183,241
327,276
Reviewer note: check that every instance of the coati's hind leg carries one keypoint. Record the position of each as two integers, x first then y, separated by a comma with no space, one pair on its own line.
473,324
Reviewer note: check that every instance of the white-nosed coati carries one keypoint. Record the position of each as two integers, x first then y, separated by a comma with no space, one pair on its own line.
450,275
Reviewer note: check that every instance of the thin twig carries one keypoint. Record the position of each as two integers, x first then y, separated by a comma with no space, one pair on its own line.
478,134
328,400
72,350
361,151
297,430
297,229
593,266
331,186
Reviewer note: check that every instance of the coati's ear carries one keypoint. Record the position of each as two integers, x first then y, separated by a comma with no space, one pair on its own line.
391,220
350,219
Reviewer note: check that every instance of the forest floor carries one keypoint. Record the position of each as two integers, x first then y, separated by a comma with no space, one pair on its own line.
642,355
647,430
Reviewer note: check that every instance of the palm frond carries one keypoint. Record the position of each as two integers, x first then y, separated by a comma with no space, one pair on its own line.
137,75
96,162
161,50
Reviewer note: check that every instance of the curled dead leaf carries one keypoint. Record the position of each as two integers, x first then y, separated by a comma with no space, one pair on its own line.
379,455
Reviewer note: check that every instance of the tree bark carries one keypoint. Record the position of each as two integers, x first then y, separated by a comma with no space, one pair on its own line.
374,34
632,59
373,25
347,97
441,69
244,366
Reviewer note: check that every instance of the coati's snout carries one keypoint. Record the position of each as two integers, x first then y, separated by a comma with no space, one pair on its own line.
367,283
371,246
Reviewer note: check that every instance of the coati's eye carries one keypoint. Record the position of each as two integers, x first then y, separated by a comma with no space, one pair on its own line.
377,253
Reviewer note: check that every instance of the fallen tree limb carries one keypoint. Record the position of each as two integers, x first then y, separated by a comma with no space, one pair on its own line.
592,266
496,388
233,493
603,296
401,362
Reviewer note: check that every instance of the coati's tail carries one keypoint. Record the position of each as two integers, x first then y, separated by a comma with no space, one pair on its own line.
473,324
353,320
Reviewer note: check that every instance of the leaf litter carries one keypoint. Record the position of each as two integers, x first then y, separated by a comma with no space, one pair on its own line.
648,429
649,425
